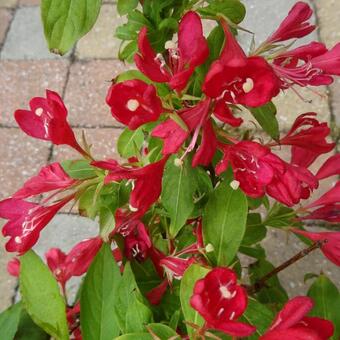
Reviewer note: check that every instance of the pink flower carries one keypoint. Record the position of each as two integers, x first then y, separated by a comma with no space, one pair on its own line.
237,79
308,139
47,120
191,52
13,267
174,266
330,197
253,164
26,220
221,301
147,182
137,243
295,25
292,323
50,177
331,249
329,213
134,103
330,168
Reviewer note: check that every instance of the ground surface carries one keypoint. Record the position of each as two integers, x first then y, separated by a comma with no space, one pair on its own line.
27,69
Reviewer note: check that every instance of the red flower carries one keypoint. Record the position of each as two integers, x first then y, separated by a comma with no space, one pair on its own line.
329,213
308,139
254,166
50,177
13,267
220,301
175,266
330,168
147,185
47,120
137,243
134,103
236,79
292,323
331,249
26,220
295,25
294,184
192,51
330,197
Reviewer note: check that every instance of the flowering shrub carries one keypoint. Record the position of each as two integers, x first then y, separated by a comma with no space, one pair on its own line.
193,191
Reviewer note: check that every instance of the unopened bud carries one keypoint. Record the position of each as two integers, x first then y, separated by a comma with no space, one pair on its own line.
234,184
209,248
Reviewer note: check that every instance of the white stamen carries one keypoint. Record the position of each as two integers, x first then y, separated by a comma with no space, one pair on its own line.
232,315
178,162
57,271
133,209
17,239
225,292
234,184
132,105
248,85
170,45
209,248
39,111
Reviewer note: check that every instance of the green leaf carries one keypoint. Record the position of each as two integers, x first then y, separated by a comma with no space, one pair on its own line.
128,52
224,223
266,117
134,336
259,316
191,275
232,9
177,193
28,330
66,21
137,316
273,292
280,216
41,296
106,222
9,322
326,298
98,296
78,169
162,331
125,6
130,142
255,231
132,74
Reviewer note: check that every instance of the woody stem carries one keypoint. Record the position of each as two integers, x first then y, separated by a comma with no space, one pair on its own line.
259,284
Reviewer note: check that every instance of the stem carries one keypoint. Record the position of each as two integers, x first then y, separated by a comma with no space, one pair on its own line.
258,285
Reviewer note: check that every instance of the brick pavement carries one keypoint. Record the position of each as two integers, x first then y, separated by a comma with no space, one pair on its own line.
82,77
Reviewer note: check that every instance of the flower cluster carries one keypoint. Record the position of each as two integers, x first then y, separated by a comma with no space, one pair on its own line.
186,138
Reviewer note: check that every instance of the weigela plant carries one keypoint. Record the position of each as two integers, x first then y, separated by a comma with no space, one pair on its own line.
184,207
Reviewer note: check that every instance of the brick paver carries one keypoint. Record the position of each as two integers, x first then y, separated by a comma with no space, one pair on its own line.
86,91
5,19
22,80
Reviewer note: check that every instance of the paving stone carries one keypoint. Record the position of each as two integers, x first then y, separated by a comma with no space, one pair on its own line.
100,41
5,19
7,282
8,3
25,39
86,91
20,158
269,12
29,2
22,80
104,144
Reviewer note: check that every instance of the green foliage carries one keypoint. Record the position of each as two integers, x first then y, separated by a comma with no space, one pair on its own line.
98,296
37,287
326,297
130,142
9,322
224,223
79,169
66,21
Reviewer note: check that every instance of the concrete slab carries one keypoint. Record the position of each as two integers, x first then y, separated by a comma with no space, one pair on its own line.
25,39
8,3
5,19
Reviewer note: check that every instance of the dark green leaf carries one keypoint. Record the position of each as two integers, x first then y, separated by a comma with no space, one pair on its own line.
326,299
232,9
78,169
128,52
259,316
66,21
266,117
256,251
224,223
177,193
125,6
98,296
191,275
162,331
38,286
137,316
9,322
255,231
130,142
134,336
280,216
273,292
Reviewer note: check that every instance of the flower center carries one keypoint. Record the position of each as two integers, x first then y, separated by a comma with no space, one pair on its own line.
226,292
39,111
132,105
248,85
